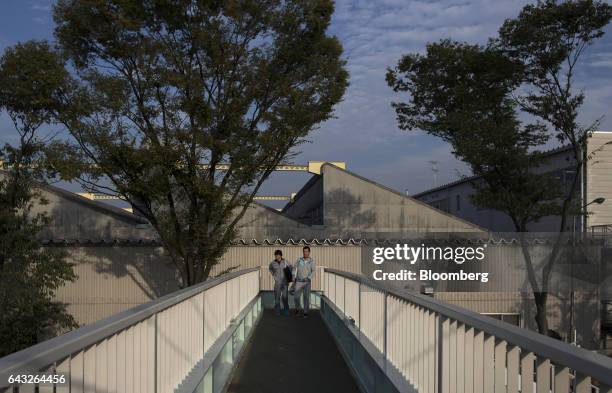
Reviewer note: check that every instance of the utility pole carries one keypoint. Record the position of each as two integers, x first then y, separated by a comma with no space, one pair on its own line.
434,169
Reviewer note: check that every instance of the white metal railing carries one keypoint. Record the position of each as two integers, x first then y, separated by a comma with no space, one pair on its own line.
149,348
435,347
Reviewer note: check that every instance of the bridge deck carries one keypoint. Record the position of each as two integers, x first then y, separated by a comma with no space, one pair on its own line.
292,354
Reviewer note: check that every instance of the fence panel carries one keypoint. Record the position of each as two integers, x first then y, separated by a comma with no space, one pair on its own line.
150,348
442,348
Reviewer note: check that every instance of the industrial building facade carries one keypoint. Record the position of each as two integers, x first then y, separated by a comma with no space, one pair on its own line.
121,264
596,182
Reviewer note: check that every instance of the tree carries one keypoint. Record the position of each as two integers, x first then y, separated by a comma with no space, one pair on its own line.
470,95
29,273
549,38
463,94
167,92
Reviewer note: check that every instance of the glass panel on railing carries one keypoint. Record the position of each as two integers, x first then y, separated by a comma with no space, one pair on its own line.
238,338
206,385
248,320
222,366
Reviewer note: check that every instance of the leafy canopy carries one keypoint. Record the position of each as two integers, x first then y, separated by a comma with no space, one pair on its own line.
29,273
549,38
167,90
473,96
462,93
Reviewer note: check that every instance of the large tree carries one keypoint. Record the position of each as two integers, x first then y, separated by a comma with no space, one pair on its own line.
30,274
463,94
184,107
471,95
550,38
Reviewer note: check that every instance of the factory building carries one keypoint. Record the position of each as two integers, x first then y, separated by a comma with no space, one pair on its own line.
595,183
341,215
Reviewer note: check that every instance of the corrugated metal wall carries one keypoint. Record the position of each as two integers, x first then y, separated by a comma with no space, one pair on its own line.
113,279
346,258
586,311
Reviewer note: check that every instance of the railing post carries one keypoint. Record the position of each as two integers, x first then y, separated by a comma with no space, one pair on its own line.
203,324
155,354
344,296
439,363
359,307
225,321
385,330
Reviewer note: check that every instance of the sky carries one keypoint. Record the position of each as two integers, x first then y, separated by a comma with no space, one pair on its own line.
364,132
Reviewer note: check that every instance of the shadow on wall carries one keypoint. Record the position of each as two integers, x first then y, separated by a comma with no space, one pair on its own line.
346,216
112,279
116,258
91,221
261,222
586,317
585,311
148,268
88,223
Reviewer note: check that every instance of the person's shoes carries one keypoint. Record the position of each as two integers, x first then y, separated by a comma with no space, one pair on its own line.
286,312
305,315
277,313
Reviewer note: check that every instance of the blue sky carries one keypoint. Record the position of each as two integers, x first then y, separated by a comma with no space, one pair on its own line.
374,33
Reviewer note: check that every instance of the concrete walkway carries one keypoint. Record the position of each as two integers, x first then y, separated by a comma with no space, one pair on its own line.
292,354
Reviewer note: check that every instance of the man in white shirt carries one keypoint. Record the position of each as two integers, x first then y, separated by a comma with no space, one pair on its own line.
303,271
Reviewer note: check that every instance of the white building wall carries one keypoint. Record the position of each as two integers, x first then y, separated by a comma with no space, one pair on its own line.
599,179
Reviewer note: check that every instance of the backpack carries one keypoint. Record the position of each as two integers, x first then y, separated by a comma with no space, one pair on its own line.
288,274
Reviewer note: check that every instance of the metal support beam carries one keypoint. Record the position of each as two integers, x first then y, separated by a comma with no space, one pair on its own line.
104,197
313,167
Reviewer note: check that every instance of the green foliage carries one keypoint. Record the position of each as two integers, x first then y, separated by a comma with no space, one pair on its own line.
472,97
453,87
463,94
29,273
549,38
31,75
165,91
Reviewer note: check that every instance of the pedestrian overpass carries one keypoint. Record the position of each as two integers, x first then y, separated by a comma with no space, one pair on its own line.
220,336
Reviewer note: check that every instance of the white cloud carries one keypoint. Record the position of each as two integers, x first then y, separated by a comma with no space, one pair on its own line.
41,7
601,60
375,34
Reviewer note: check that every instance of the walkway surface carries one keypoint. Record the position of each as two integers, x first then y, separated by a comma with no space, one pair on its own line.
292,354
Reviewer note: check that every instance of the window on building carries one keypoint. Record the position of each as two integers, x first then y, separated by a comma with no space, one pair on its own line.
441,204
513,319
565,178
458,202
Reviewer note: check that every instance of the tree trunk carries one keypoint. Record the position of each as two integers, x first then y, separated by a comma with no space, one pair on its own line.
540,297
541,300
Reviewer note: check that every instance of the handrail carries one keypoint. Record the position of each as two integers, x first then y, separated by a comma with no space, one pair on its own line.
46,353
603,227
234,337
583,361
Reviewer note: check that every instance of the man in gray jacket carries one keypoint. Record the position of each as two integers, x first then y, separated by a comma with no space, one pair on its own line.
277,269
303,271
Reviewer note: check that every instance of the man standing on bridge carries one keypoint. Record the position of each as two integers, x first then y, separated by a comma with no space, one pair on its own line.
303,271
281,271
